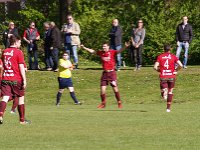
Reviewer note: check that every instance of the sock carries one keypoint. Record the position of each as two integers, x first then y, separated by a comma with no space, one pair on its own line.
103,98
15,103
2,108
169,100
58,97
117,96
73,96
21,110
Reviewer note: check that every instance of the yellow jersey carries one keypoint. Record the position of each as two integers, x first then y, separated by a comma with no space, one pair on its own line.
64,72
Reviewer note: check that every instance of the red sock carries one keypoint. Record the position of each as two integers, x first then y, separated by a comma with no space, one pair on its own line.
15,103
117,96
21,110
103,98
169,100
2,108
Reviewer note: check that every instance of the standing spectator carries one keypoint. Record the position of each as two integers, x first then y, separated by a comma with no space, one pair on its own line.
116,40
47,45
31,35
65,80
183,38
137,39
7,34
165,64
109,75
71,38
55,44
14,78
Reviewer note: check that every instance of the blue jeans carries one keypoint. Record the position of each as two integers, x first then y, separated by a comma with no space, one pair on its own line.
54,54
48,58
32,56
185,46
119,62
72,50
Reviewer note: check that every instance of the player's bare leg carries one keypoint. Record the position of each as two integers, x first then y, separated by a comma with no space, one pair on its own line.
103,97
73,96
169,99
58,96
117,95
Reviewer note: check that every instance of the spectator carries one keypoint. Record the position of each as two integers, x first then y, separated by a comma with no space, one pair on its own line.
55,44
7,34
47,45
137,39
31,35
116,40
183,38
71,38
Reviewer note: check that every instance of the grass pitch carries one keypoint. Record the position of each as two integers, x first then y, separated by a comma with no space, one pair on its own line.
142,124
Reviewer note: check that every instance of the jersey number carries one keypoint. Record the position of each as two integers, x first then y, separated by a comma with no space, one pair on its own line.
166,64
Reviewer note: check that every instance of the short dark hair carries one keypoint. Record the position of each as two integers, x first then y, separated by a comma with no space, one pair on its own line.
167,47
14,39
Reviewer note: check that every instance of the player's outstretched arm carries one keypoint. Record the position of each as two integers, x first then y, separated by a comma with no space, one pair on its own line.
156,66
126,45
88,49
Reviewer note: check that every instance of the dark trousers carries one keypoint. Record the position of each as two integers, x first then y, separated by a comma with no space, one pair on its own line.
32,56
54,54
136,55
48,57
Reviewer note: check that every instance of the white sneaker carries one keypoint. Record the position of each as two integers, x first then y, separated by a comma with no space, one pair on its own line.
168,110
185,67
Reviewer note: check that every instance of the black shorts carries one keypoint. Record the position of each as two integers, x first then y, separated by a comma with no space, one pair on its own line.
65,82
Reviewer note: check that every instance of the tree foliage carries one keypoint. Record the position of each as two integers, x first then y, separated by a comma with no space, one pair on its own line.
161,18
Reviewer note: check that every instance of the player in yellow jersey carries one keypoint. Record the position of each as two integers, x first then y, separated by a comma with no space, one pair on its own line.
64,79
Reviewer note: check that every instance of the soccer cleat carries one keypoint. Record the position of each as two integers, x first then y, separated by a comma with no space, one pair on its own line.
119,104
58,104
102,105
168,110
1,120
78,103
25,122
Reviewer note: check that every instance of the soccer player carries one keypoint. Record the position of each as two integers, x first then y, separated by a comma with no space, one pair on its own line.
165,64
14,78
65,80
109,75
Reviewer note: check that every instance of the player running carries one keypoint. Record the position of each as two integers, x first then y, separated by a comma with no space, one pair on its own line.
165,64
109,75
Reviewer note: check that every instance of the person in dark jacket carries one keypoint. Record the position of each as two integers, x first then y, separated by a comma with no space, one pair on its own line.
47,45
31,35
116,40
7,34
55,44
183,38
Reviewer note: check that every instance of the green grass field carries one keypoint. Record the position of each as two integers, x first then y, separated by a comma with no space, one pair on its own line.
142,124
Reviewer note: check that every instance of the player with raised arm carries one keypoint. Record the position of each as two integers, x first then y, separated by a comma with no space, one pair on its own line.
109,75
165,64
